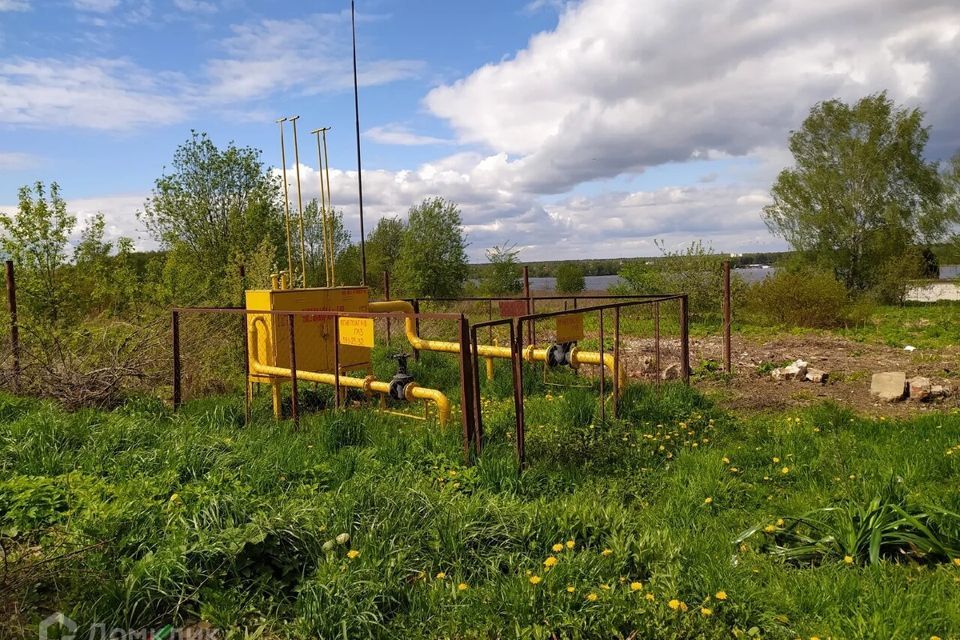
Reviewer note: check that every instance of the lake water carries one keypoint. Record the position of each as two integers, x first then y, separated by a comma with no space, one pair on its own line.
602,283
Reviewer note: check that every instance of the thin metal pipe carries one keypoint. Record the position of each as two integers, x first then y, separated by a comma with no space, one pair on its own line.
684,339
356,109
323,208
286,197
656,339
516,339
14,324
466,390
727,350
616,360
328,219
247,399
603,396
336,362
294,396
177,397
303,245
386,296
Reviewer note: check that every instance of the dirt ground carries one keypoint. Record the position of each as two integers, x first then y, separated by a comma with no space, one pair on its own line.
850,366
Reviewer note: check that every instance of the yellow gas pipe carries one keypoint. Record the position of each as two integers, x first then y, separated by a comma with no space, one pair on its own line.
369,385
530,354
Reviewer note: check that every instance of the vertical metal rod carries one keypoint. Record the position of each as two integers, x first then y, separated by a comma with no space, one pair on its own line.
247,396
323,211
466,389
603,398
477,404
14,324
294,395
177,397
356,109
516,342
416,322
526,294
616,361
286,198
727,355
329,218
684,339
386,296
303,242
656,339
336,362
490,317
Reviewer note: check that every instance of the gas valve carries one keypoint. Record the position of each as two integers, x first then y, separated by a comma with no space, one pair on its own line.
400,380
558,355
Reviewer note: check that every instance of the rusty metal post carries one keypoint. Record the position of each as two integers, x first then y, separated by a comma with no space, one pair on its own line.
14,324
727,355
477,408
489,317
466,389
616,360
526,294
516,342
386,296
177,398
294,396
336,362
684,339
247,395
656,339
603,399
416,322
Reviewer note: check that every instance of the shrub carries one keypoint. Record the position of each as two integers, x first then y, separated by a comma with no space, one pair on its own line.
570,278
800,298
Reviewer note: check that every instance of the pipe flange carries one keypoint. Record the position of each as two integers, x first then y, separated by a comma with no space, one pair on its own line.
408,391
367,382
572,357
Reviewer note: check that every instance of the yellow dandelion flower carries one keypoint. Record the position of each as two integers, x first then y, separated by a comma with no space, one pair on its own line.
571,544
720,595
463,586
606,552
674,604
779,522
636,586
847,560
726,460
535,580
353,553
776,459
570,588
605,587
708,500
557,548
733,469
592,597
705,611
785,470
650,597
769,528
441,575
956,561
551,561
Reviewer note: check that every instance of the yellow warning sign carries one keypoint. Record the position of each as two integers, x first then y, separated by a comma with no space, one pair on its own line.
357,332
570,328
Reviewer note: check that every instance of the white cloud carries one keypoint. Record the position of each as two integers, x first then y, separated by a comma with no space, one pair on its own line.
400,135
17,161
195,6
14,5
96,6
621,85
92,93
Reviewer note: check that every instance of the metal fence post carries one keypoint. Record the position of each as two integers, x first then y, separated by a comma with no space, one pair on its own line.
526,294
466,390
175,322
416,323
294,396
603,399
516,342
727,355
684,339
14,324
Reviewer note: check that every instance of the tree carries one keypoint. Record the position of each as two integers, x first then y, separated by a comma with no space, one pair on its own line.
433,257
861,193
383,248
502,275
950,177
570,278
36,240
215,205
313,241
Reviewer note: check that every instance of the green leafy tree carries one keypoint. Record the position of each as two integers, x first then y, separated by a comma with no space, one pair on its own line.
502,276
950,176
861,194
570,278
313,241
383,249
36,239
433,257
214,205
104,275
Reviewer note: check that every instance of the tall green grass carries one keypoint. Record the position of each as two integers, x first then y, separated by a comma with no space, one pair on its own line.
177,518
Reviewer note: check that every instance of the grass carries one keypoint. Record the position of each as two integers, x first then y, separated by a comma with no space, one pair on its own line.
139,518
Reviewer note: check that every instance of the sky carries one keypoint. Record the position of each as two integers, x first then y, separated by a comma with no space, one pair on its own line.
577,129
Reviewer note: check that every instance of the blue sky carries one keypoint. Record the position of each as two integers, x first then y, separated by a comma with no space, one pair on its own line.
572,129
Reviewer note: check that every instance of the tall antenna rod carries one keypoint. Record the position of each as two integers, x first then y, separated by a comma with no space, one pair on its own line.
356,109
323,210
303,245
286,200
330,219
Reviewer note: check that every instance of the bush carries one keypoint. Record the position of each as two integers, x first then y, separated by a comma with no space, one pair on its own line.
570,278
800,298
